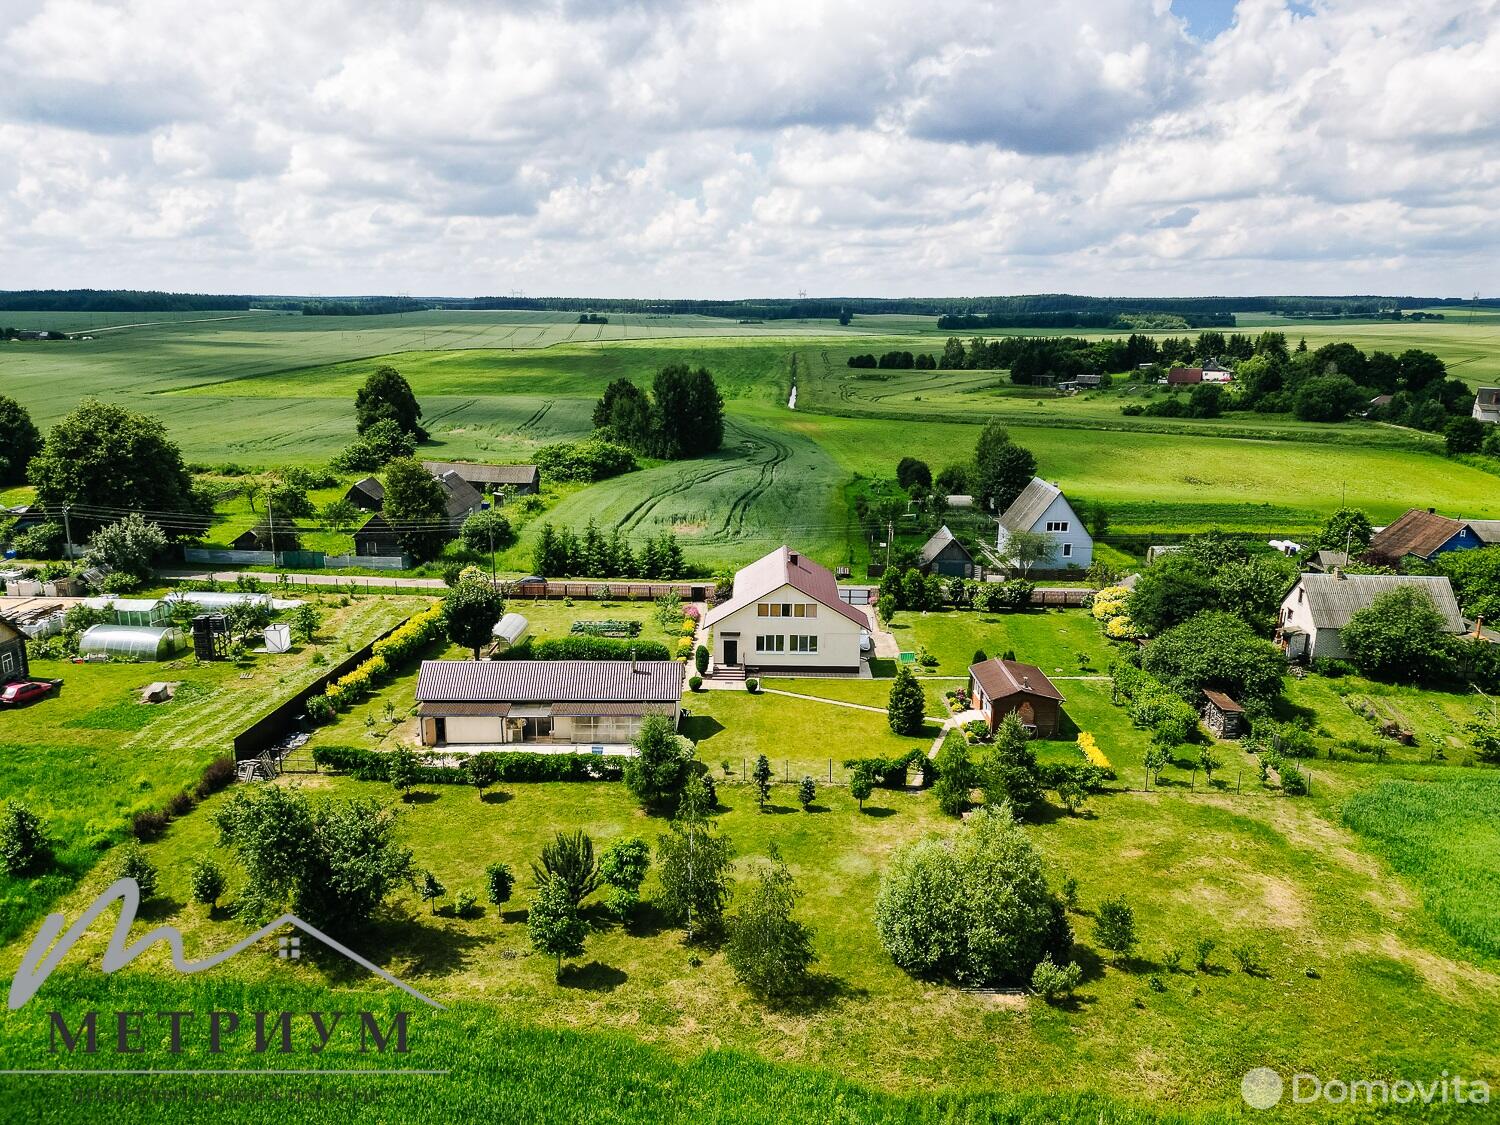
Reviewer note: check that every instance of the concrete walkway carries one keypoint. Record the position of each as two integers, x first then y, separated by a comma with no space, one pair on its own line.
954,722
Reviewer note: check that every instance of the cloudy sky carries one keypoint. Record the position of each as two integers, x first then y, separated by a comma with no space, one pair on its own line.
751,147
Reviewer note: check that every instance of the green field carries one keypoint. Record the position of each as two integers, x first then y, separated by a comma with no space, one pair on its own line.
264,389
1367,910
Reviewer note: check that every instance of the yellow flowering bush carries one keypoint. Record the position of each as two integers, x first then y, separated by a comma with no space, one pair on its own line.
1089,748
1121,629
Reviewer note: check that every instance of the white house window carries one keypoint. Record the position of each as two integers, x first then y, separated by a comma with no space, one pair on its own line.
762,610
770,642
7,662
804,609
804,644
1057,525
1067,550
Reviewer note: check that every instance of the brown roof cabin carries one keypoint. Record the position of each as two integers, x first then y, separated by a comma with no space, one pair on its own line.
13,664
1184,376
1222,715
1000,686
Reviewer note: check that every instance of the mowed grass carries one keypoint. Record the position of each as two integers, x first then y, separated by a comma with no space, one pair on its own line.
1253,868
1445,836
90,757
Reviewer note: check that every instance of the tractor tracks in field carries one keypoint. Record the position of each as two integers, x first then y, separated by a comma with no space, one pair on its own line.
765,459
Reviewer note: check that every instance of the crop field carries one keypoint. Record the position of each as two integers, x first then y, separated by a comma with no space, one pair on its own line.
266,389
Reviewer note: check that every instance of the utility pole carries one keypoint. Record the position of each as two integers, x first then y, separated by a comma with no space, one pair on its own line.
67,532
271,519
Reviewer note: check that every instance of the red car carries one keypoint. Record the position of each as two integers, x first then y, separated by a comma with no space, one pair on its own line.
15,694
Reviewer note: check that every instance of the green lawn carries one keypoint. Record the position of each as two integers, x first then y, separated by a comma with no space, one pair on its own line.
1257,868
1050,639
90,757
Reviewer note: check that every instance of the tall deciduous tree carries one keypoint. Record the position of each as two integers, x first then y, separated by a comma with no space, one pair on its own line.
693,863
974,907
417,508
660,767
1001,468
129,546
470,611
1398,636
554,925
331,863
103,460
387,396
19,441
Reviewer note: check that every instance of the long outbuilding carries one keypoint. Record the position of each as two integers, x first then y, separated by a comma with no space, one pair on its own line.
516,703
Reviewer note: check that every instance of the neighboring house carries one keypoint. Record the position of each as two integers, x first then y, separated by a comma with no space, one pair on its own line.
1184,376
368,494
786,615
1043,508
376,537
460,497
1422,534
13,665
1377,404
944,554
1487,530
999,687
259,537
1487,404
1325,561
519,480
1320,605
1216,372
570,702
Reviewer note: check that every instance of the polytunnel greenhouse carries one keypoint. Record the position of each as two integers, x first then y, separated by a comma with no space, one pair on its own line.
129,642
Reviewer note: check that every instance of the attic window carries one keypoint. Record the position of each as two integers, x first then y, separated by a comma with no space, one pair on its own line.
1057,525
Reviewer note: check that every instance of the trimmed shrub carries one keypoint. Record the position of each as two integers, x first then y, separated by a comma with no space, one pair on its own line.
587,648
374,765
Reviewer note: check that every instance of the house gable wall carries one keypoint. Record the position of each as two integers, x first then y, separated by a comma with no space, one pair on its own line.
838,636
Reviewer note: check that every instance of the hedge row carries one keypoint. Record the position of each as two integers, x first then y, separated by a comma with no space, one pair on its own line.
888,773
1152,705
386,654
587,648
374,765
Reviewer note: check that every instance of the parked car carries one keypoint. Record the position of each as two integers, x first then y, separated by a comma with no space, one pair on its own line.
13,695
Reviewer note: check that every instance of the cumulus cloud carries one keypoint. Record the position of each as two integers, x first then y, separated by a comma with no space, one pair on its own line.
694,147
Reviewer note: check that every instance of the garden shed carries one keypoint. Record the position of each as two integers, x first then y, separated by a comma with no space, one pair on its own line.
1223,715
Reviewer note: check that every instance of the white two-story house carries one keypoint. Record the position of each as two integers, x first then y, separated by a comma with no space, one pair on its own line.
1042,508
786,616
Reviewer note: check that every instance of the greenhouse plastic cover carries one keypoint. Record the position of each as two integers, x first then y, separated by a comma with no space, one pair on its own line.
510,628
129,642
211,599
